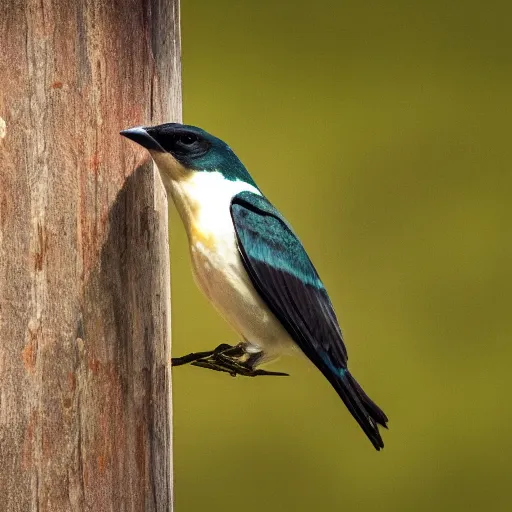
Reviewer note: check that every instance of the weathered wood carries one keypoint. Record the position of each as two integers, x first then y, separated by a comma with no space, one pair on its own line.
85,403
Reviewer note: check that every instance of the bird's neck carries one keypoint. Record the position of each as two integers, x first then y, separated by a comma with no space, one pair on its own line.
203,201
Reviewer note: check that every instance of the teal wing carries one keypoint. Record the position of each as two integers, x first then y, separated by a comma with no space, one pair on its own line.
286,279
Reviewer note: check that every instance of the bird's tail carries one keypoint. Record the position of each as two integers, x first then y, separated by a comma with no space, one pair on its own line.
362,408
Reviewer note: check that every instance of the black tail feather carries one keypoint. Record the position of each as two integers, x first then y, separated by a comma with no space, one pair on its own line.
367,414
372,408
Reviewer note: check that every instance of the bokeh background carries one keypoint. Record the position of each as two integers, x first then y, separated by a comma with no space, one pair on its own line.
382,132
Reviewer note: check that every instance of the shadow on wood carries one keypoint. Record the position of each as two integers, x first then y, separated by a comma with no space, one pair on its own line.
124,363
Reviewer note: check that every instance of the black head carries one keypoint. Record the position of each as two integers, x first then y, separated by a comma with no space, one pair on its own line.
192,147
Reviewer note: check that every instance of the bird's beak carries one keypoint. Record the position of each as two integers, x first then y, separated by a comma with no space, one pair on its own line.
140,135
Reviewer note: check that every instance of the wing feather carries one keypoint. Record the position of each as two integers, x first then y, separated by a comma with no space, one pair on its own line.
286,279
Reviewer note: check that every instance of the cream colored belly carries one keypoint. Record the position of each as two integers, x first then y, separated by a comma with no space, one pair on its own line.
203,200
220,274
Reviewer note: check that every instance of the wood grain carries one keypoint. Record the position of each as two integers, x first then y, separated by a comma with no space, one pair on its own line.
85,387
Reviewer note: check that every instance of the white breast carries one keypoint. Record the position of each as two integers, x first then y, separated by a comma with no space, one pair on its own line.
204,200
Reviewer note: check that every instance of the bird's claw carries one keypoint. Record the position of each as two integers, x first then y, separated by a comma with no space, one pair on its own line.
203,363
221,362
224,359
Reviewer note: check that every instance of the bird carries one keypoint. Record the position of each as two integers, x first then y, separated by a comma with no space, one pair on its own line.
251,266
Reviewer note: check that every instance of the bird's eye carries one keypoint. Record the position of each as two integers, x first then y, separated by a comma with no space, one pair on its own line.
182,143
187,139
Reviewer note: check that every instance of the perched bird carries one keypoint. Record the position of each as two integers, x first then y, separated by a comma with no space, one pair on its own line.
251,266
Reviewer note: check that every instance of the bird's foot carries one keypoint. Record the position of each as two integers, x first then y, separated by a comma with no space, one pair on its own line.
196,356
234,367
225,358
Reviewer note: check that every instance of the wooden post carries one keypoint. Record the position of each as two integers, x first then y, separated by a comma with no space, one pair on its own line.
85,399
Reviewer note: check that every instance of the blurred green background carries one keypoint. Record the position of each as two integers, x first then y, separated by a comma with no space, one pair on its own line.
382,131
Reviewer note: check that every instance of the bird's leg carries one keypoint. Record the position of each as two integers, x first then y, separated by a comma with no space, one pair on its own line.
230,361
203,363
243,368
223,359
196,356
224,364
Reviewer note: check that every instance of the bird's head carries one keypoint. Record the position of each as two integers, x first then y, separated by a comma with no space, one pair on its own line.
180,150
